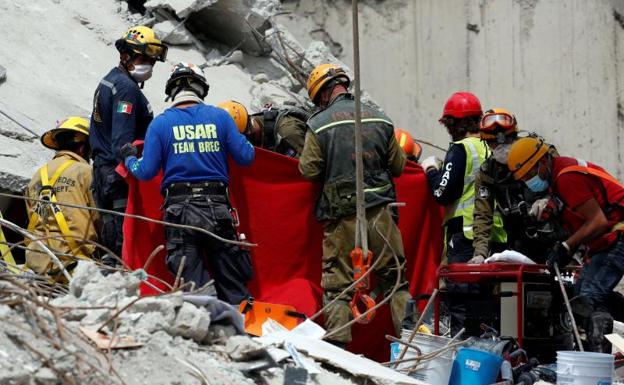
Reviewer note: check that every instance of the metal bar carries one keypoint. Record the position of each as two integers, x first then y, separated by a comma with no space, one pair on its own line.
567,303
361,239
432,299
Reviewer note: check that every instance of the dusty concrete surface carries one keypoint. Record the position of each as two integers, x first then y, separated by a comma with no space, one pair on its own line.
41,341
556,64
57,69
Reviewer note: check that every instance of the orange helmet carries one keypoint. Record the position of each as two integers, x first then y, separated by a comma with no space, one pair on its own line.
238,112
417,152
321,75
405,140
497,122
524,154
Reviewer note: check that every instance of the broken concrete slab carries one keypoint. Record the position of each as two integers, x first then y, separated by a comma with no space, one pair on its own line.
243,348
181,8
233,23
172,33
339,358
191,322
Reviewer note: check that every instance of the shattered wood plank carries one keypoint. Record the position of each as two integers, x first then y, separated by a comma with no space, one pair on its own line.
102,341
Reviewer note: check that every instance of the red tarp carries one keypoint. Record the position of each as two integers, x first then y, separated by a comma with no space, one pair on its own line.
276,210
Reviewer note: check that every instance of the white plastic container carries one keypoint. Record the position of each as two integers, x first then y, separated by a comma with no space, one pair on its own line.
584,368
436,371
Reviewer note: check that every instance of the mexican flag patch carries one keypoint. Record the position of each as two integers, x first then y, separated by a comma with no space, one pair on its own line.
124,108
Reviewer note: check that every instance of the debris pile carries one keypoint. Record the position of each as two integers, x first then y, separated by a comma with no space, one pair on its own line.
245,53
98,331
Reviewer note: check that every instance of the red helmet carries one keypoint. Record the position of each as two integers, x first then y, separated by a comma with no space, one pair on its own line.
461,105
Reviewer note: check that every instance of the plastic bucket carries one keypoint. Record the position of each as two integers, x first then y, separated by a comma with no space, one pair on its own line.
584,368
475,367
436,371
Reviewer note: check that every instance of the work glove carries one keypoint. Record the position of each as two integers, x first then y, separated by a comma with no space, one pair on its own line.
476,260
544,209
559,255
431,162
128,150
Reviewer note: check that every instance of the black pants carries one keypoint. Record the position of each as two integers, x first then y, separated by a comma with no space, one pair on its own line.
110,192
229,264
458,250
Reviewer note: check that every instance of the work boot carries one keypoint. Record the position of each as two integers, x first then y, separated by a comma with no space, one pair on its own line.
600,324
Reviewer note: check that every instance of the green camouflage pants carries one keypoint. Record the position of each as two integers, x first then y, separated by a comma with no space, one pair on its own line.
337,274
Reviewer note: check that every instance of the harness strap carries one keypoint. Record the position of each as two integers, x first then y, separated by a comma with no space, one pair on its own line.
592,171
6,254
584,169
47,193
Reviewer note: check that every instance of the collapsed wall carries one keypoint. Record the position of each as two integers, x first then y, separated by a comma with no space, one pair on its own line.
556,64
52,72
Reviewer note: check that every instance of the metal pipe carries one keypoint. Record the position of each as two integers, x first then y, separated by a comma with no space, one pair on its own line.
567,303
361,238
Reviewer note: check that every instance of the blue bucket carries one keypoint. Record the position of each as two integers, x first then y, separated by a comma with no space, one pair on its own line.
475,367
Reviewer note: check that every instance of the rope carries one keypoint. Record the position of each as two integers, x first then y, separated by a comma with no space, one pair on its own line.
394,288
134,216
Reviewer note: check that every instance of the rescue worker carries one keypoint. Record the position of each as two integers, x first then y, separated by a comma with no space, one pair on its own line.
66,179
452,185
591,210
121,114
409,146
329,157
280,129
497,192
191,142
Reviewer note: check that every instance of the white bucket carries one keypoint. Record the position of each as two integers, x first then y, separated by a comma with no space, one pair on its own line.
584,368
436,371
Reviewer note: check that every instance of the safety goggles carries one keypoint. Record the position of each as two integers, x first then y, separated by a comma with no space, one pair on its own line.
501,119
154,51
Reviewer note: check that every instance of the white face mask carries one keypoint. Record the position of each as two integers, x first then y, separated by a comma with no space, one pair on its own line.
141,72
501,152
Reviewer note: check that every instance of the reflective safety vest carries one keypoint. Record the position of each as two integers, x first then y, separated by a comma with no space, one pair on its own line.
46,192
476,153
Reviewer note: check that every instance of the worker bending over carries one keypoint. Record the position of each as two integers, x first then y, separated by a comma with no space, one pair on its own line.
191,142
592,211
453,185
329,157
68,231
498,193
280,129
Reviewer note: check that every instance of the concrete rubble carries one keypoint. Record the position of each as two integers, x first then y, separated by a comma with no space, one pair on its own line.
246,55
41,340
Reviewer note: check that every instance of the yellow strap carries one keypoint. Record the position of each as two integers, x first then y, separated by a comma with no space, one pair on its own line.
56,210
6,254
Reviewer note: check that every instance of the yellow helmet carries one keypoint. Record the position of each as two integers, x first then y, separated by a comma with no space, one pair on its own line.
238,112
321,75
524,154
79,126
141,40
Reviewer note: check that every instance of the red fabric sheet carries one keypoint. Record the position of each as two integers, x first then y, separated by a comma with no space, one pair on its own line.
276,210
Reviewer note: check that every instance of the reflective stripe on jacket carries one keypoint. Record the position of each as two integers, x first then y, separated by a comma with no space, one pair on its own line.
476,153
